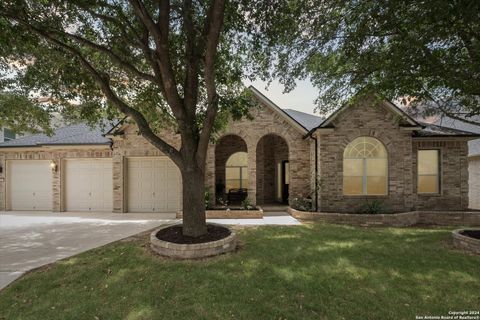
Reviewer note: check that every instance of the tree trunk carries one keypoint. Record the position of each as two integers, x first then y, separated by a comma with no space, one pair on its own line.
194,223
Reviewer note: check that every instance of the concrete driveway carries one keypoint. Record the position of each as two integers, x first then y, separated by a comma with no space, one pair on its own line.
31,239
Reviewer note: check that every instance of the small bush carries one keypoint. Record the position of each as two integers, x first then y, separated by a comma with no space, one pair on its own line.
247,205
208,199
374,207
302,204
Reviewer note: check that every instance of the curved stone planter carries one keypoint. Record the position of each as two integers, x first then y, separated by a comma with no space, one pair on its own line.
192,251
463,242
393,220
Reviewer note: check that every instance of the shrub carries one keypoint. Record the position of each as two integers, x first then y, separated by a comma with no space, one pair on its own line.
247,205
208,199
302,204
374,207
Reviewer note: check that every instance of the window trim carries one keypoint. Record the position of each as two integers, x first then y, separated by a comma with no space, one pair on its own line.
439,172
364,173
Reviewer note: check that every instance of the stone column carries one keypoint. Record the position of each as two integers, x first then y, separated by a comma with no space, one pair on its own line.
57,183
252,172
119,170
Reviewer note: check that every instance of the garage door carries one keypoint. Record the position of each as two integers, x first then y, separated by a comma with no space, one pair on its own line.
29,185
153,185
88,185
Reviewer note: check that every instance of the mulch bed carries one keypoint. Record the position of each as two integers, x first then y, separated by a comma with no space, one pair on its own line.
471,233
174,234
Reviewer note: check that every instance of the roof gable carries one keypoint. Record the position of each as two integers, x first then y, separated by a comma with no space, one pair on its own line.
387,104
272,106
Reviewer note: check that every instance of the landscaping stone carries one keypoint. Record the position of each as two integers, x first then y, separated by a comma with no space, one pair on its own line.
465,242
192,251
405,219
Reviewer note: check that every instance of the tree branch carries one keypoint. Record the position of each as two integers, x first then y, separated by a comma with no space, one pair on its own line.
213,28
192,61
103,82
160,36
119,61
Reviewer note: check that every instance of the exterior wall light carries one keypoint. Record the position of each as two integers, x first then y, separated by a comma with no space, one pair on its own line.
54,166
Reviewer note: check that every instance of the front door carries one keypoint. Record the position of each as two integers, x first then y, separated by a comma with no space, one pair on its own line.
285,180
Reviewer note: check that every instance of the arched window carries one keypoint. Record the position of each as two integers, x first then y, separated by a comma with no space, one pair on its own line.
365,167
236,171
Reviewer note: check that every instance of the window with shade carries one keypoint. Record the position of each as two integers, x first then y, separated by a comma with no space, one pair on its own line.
365,167
236,171
428,171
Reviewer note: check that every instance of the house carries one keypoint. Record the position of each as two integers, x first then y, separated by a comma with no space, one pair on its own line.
7,135
364,152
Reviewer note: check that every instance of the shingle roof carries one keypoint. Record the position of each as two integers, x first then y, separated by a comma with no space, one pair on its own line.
306,120
77,134
450,124
433,130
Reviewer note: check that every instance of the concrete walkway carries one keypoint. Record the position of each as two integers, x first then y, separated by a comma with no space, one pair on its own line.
29,240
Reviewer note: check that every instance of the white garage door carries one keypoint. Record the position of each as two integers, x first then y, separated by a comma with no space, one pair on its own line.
153,185
29,185
88,185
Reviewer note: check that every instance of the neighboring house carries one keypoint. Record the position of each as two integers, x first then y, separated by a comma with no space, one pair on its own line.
7,135
360,153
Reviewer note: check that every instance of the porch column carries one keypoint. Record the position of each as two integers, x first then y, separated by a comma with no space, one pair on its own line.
252,173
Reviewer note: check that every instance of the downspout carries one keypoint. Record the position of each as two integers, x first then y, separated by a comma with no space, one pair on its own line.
310,135
316,172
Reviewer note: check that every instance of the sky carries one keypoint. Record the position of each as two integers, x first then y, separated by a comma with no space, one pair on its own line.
300,99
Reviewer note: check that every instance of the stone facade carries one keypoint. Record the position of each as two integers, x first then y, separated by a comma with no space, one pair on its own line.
379,122
271,138
292,147
453,176
474,182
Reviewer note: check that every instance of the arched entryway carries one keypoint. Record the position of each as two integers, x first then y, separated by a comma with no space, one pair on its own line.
231,170
273,170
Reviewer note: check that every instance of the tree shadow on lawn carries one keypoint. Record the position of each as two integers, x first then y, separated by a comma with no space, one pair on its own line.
314,271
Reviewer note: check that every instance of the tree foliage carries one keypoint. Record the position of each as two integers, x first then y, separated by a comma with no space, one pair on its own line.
175,65
425,53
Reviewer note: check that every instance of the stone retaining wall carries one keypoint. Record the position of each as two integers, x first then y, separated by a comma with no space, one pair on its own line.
467,218
192,251
463,242
230,214
450,218
394,220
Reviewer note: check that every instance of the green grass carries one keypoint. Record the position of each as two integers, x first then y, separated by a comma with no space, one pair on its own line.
305,272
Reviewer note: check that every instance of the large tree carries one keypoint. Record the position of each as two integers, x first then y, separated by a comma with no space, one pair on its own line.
167,65
424,53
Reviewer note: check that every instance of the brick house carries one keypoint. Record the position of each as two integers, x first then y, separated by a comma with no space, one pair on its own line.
365,152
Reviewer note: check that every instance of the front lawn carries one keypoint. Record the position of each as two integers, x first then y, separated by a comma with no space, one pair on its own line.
305,272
